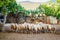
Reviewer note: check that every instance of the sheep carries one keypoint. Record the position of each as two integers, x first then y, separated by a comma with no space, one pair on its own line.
35,27
25,27
13,27
20,28
31,27
6,28
38,28
56,28
43,27
51,28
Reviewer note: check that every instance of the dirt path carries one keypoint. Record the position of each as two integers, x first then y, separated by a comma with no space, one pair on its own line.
18,36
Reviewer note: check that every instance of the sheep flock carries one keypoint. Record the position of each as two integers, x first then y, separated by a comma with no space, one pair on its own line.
30,28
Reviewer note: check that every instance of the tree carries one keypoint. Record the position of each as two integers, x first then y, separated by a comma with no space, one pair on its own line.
50,9
21,9
7,6
58,1
44,9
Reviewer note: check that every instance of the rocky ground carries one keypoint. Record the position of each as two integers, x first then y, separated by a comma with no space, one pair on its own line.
18,36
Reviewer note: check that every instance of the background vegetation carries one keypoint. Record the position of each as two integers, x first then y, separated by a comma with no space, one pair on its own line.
49,9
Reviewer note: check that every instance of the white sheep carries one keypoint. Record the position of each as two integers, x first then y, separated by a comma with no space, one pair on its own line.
19,27
51,28
6,27
57,28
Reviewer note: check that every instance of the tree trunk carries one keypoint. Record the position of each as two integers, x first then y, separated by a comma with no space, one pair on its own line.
4,19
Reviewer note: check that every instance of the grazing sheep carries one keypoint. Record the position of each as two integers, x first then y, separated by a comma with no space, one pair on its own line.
13,27
51,28
20,28
7,28
39,28
56,28
43,26
35,26
31,28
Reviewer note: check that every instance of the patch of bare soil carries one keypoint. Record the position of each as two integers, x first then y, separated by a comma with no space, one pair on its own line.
18,36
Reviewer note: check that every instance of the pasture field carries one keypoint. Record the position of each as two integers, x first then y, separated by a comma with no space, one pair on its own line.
18,36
